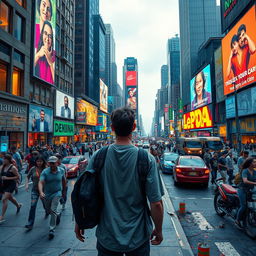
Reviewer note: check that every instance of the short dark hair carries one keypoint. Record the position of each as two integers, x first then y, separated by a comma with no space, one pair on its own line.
240,29
246,164
246,152
233,40
122,120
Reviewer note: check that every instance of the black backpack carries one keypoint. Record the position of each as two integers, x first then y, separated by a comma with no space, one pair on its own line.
87,196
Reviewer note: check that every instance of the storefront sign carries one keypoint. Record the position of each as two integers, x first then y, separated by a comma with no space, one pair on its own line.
12,108
63,128
198,119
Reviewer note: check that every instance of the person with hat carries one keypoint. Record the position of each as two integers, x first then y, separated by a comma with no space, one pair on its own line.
52,187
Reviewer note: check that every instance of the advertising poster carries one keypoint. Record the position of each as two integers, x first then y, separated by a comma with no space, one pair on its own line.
44,40
238,52
103,97
131,101
131,78
87,113
64,105
63,128
219,75
201,89
102,123
40,119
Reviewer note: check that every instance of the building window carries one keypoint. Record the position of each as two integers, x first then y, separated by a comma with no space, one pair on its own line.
4,16
18,33
16,81
18,56
21,3
3,76
4,48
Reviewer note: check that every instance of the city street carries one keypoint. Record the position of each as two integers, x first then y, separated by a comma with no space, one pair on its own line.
202,224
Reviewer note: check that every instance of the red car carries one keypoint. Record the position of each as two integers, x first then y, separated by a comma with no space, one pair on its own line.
191,169
75,165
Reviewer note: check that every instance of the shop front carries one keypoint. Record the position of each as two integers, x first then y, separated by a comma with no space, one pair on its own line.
40,126
13,124
63,132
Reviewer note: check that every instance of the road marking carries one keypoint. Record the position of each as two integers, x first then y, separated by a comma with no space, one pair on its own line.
201,221
191,198
227,249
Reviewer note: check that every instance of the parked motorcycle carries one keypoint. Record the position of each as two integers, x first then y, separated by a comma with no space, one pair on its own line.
226,202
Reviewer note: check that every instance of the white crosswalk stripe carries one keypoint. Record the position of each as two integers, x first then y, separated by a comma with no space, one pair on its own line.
227,249
201,221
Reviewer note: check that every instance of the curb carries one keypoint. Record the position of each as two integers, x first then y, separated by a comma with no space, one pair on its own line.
182,239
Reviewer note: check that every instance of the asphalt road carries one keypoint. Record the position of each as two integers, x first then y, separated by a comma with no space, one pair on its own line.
202,225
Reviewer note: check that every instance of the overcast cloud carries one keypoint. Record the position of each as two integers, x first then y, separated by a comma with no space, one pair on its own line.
141,30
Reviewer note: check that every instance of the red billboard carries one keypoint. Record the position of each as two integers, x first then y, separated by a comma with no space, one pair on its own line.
198,119
131,78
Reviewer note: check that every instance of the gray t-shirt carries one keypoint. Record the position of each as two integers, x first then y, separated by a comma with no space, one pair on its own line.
53,182
125,224
246,174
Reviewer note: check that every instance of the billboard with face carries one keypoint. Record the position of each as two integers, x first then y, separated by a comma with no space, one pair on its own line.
64,105
44,40
87,113
40,119
131,78
103,97
131,100
238,51
201,89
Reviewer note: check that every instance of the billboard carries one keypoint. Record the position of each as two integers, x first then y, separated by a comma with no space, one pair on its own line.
44,40
64,105
131,100
230,10
198,119
40,119
87,113
238,52
63,128
219,75
131,78
102,123
201,89
246,103
103,97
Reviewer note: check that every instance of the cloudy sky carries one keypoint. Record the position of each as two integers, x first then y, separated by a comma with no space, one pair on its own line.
141,30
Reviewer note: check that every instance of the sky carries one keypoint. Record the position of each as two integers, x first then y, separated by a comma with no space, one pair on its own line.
141,30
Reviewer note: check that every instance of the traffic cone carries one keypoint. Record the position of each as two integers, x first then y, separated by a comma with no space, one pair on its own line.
203,249
182,208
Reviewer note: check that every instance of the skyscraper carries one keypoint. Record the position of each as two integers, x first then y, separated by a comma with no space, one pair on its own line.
164,76
198,22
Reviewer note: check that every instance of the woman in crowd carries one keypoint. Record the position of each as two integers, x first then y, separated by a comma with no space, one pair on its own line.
34,173
8,178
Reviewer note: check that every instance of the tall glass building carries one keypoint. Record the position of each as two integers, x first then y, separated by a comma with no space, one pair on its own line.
198,21
164,76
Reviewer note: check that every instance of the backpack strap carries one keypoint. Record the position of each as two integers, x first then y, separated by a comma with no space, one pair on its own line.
99,160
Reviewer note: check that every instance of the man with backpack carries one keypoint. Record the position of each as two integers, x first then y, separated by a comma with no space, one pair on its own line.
128,178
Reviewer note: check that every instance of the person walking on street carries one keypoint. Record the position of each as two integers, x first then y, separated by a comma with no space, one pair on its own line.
222,166
34,174
207,157
125,225
230,165
90,151
8,177
214,167
243,156
52,187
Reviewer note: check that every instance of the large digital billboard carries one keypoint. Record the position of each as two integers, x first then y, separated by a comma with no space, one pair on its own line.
87,113
44,40
131,78
201,89
238,52
230,10
131,100
103,97
198,119
40,119
64,105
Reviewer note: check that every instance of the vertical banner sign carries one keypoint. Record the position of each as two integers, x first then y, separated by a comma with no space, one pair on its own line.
170,113
180,109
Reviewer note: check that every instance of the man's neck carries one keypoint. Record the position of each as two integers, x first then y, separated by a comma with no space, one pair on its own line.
123,140
54,169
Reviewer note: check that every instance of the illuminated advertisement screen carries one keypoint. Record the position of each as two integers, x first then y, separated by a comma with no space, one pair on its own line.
198,119
102,123
238,51
131,78
64,105
40,119
103,97
87,113
201,89
44,40
131,100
